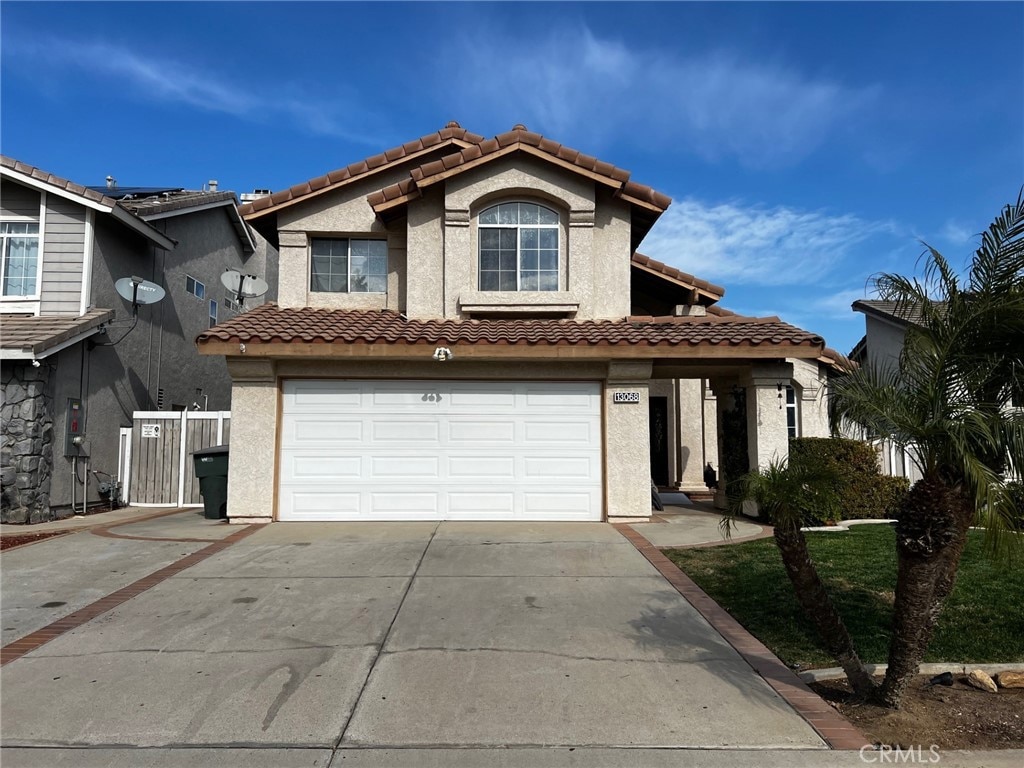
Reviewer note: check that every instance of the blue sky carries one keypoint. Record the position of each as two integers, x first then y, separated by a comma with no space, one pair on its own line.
806,146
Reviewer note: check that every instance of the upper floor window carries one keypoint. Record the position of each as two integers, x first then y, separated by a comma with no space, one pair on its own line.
213,313
349,266
19,267
194,287
518,248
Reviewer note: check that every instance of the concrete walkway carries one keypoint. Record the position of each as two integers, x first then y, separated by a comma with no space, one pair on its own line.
696,525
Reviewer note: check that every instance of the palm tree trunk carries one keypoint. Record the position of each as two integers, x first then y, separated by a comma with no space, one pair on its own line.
815,600
930,540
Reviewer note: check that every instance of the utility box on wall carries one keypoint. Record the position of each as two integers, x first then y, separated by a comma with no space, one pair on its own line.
74,429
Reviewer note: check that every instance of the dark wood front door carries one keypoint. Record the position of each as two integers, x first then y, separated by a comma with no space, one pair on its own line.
659,440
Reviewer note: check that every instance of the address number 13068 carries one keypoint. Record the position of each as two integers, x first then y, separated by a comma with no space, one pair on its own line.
625,397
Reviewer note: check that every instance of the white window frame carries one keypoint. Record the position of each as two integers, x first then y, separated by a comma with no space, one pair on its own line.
348,263
195,282
518,227
794,407
26,304
213,312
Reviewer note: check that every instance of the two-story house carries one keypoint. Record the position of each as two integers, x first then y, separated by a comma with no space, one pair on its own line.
464,330
74,361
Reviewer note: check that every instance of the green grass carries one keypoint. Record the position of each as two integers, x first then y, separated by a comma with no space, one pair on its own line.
983,620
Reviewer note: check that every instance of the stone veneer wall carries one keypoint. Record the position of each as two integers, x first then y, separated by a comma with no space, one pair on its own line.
26,453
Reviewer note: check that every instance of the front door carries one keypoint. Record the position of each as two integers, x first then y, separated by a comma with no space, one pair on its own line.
659,440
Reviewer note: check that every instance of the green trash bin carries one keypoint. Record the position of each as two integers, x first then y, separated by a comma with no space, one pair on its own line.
211,466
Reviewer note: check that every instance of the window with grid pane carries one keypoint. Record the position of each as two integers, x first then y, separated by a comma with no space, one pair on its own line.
348,265
518,248
20,263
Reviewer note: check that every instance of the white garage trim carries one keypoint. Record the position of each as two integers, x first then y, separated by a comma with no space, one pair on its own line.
440,450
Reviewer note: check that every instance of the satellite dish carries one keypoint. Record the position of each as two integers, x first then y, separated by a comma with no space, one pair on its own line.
244,286
139,291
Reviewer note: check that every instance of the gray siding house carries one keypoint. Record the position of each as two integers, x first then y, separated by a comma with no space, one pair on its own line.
73,361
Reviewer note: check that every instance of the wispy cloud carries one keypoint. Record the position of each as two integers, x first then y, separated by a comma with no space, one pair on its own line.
715,105
740,244
172,82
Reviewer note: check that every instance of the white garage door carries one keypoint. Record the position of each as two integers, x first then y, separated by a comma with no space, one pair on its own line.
440,450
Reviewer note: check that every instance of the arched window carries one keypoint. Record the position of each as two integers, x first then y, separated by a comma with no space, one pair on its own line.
518,248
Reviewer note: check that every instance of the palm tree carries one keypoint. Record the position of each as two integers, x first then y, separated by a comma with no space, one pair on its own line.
948,399
790,496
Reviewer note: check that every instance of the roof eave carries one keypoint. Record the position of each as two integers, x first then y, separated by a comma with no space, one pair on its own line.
424,350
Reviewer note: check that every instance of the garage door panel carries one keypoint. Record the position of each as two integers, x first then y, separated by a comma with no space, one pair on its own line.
575,433
562,468
463,430
563,398
323,396
394,503
467,396
433,450
324,467
406,431
476,468
404,466
309,430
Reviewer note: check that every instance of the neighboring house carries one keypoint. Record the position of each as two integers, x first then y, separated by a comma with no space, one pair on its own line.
72,361
885,330
464,330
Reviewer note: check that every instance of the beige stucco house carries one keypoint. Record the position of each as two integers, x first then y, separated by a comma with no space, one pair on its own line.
464,330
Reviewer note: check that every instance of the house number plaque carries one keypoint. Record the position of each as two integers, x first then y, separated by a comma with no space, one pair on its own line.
625,397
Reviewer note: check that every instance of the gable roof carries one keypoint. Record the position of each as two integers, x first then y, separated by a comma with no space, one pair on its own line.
901,314
453,135
38,179
273,331
677,276
519,139
178,202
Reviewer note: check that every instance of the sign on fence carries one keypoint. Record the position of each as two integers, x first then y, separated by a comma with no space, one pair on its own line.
156,455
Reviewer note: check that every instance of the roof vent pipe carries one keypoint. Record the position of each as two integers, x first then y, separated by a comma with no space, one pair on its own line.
111,182
213,185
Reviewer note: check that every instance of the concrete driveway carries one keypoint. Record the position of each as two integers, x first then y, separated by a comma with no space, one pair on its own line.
375,644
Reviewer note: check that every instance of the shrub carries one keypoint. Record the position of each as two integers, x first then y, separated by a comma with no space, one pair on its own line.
863,491
1016,489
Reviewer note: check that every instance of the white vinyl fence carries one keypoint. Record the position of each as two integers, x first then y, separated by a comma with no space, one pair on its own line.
155,455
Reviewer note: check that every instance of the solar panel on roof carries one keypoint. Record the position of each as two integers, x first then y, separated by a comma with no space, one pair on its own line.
121,193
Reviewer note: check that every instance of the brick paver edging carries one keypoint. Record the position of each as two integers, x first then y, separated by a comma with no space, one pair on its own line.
34,640
836,730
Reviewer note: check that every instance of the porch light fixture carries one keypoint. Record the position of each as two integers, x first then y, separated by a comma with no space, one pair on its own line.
442,354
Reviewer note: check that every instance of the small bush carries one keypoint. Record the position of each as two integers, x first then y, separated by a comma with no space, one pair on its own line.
864,492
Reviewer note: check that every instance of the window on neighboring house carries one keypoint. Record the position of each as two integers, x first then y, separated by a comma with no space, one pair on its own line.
349,265
194,287
230,304
213,313
20,264
518,248
792,415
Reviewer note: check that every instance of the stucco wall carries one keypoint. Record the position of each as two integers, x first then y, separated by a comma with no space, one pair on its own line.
251,490
884,342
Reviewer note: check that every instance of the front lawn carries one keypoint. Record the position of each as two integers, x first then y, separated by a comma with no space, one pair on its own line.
983,620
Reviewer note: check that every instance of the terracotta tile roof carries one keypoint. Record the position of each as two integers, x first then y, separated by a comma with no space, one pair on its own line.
270,324
34,335
56,181
519,138
836,360
452,134
696,283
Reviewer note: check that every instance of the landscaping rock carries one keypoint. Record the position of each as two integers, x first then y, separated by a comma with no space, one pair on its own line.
982,681
1010,679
